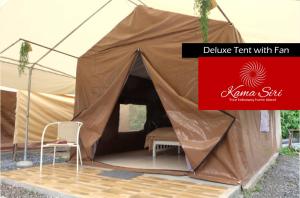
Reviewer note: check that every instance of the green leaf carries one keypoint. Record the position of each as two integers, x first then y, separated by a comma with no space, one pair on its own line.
289,120
202,8
24,58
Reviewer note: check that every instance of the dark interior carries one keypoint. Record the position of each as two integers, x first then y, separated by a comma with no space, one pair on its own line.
140,90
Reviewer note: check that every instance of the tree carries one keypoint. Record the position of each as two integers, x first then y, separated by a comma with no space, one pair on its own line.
289,120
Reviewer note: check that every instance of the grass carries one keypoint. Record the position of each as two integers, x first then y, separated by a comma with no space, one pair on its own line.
256,188
288,151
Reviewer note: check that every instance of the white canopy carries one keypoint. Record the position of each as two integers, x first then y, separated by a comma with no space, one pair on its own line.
47,22
43,81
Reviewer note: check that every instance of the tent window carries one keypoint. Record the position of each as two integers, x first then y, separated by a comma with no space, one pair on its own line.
264,121
132,117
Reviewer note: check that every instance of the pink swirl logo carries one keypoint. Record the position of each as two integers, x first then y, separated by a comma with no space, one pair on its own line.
253,74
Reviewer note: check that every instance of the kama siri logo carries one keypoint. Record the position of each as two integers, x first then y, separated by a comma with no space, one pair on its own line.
251,88
253,74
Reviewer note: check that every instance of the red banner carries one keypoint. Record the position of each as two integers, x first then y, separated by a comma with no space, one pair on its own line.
249,83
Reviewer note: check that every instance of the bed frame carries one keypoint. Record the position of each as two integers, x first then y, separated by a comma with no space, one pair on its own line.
159,145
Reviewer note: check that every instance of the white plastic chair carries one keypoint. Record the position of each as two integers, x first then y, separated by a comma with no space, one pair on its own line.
66,131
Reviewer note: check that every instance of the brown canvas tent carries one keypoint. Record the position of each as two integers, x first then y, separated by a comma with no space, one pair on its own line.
45,108
8,107
145,48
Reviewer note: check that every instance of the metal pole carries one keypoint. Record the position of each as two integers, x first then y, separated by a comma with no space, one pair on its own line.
136,3
29,163
27,113
133,3
25,162
142,2
49,70
75,29
10,46
223,13
43,46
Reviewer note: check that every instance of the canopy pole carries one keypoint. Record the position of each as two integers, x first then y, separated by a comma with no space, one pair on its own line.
26,163
37,44
223,13
228,20
133,3
43,46
49,70
27,113
142,2
10,46
136,3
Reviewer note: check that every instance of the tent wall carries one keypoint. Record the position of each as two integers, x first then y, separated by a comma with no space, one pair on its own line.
102,72
44,108
244,150
8,108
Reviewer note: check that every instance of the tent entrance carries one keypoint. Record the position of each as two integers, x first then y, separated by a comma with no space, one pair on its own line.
137,112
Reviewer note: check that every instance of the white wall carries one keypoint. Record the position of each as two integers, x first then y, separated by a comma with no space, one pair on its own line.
278,128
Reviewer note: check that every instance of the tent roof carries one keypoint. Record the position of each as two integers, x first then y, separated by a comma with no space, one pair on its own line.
47,22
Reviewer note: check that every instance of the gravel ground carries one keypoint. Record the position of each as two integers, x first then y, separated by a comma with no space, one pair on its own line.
34,155
281,180
11,191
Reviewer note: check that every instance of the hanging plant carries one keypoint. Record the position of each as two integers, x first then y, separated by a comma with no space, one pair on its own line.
202,8
24,58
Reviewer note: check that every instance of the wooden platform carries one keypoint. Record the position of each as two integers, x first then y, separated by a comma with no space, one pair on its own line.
88,183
